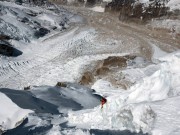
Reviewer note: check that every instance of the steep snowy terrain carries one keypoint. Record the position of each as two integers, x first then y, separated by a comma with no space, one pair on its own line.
152,102
10,115
136,69
50,105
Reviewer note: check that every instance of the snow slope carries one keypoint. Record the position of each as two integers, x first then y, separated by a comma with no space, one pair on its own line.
11,115
49,104
144,107
27,23
65,56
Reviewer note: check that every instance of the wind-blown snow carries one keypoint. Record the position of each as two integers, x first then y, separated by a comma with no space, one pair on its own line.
11,115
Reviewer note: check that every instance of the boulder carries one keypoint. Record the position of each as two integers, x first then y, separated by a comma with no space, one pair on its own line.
41,32
61,84
8,50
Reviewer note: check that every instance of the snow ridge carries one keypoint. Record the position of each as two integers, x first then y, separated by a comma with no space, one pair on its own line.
133,109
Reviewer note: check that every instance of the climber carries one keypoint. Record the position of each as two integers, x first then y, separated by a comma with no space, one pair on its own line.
103,101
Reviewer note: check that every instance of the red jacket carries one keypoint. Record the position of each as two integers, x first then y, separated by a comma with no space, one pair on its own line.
103,101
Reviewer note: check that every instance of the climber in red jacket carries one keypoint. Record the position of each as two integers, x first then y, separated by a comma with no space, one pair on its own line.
103,101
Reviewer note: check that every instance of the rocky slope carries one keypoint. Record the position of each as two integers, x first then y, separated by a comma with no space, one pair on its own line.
131,9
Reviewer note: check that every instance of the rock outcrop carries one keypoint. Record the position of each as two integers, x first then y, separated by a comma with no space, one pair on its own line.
8,50
134,9
129,9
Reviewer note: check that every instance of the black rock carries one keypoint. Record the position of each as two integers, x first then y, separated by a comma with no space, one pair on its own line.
41,32
8,50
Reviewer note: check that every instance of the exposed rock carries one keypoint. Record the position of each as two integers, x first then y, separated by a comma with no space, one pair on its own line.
117,61
114,61
1,131
86,78
128,9
92,2
120,83
41,32
8,50
19,2
25,20
27,88
108,68
4,37
102,71
61,84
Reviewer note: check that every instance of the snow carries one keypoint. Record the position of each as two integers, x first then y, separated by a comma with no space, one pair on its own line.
172,25
77,132
136,108
50,106
98,9
167,112
173,4
143,1
158,53
22,22
107,0
11,115
102,88
150,105
73,94
47,18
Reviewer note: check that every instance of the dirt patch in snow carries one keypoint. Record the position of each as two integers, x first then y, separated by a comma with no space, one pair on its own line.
87,78
117,61
108,69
